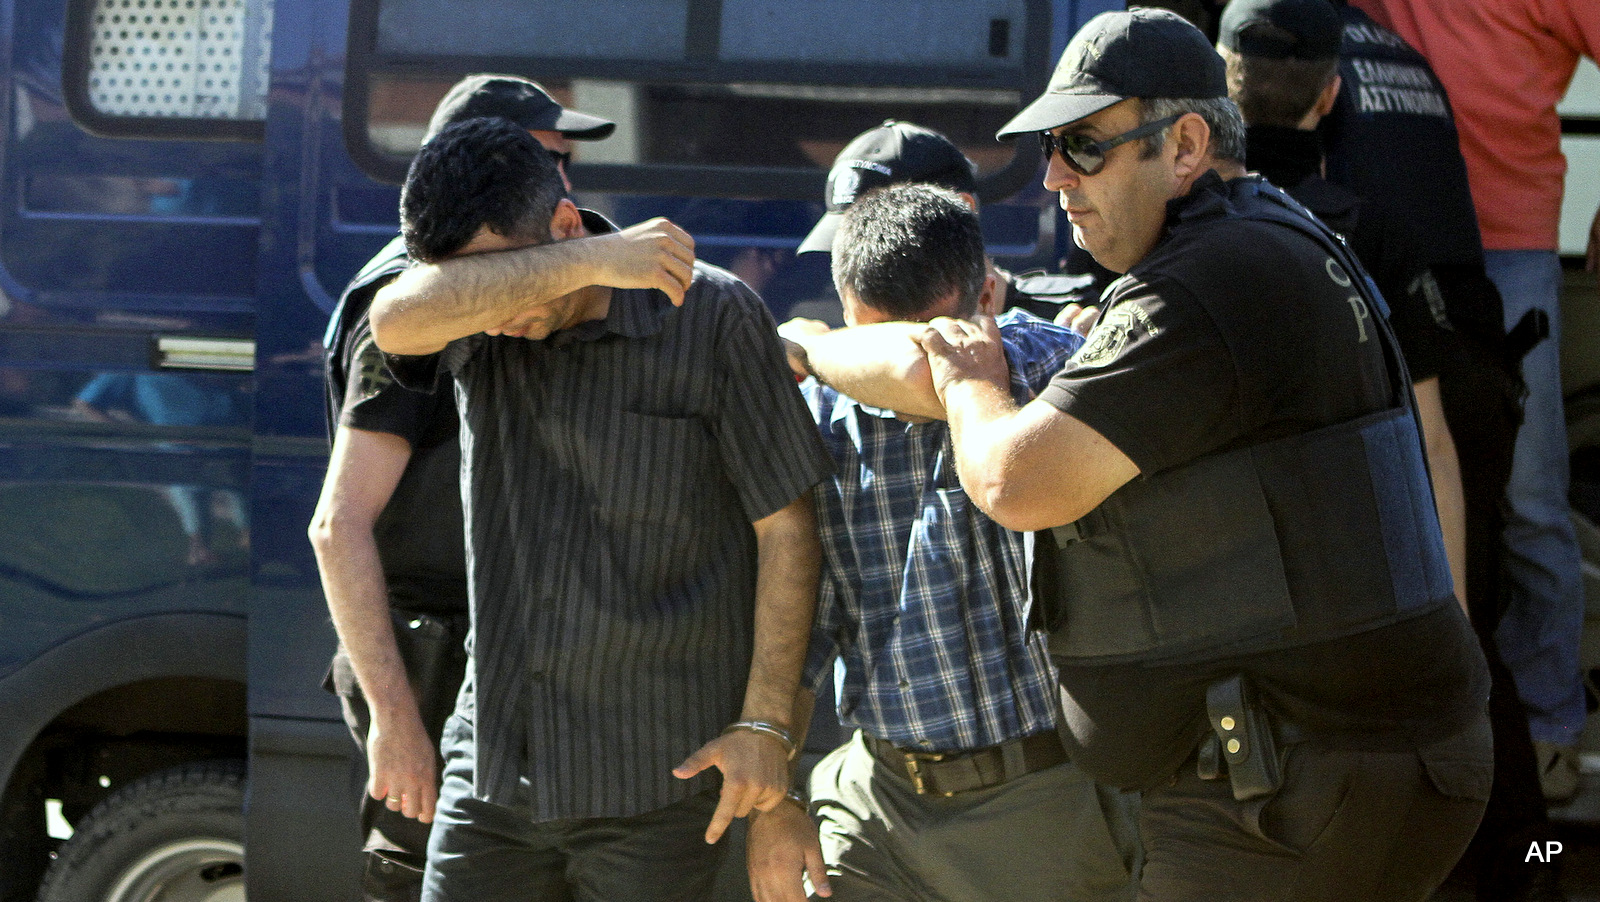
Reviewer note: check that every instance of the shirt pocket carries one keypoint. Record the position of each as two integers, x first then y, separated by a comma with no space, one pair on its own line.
655,471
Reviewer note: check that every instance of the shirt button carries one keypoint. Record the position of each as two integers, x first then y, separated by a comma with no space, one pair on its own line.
905,684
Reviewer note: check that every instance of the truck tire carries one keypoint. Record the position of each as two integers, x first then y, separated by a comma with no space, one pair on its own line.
176,835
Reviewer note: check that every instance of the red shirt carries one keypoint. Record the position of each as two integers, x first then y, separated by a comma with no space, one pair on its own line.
1506,64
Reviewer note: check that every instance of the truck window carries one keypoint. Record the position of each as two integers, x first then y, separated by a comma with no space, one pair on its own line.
168,68
712,97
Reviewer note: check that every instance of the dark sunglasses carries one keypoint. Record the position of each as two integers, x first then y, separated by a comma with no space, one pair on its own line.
1086,156
563,158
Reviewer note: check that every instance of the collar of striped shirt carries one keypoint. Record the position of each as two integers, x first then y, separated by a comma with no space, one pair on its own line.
633,313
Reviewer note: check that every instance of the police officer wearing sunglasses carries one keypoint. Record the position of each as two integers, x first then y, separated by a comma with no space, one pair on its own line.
1239,563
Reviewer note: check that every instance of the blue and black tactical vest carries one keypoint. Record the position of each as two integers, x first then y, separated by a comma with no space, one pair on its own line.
1281,544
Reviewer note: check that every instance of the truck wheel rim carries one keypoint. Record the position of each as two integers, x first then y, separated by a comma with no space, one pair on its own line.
190,870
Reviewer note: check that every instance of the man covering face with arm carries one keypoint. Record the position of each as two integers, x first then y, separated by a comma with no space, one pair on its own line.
897,152
956,770
641,549
388,533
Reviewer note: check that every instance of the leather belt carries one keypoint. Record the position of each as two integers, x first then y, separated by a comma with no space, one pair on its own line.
949,773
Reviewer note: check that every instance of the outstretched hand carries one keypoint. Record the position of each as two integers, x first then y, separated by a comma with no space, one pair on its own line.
755,775
653,254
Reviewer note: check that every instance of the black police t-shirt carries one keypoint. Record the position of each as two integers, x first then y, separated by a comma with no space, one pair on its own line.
1231,333
1044,294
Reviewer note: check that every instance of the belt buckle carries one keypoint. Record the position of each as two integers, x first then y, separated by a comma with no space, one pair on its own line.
914,761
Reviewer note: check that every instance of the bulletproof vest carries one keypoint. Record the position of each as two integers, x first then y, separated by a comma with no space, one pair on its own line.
1291,541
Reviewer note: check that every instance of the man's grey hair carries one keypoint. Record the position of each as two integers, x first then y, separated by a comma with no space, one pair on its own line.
1220,113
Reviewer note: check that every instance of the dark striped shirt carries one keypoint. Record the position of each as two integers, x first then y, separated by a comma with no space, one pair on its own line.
613,471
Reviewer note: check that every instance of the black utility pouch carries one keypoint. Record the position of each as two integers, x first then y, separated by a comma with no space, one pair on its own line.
390,878
1245,735
435,657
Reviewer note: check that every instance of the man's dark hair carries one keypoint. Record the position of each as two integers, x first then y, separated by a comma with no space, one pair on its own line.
479,172
1277,92
905,247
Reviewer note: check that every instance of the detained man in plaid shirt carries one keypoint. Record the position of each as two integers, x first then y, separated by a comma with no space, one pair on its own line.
955,785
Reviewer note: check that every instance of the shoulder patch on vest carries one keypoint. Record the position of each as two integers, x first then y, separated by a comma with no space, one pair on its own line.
1110,336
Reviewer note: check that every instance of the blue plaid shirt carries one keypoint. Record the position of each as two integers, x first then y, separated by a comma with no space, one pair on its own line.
923,596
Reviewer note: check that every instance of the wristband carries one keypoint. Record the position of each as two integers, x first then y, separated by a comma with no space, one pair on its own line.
766,729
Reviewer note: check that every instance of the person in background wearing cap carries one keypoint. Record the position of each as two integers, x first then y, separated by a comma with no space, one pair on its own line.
388,532
903,152
1283,59
1240,567
956,773
642,550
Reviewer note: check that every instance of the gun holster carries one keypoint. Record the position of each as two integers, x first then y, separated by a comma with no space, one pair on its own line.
1241,739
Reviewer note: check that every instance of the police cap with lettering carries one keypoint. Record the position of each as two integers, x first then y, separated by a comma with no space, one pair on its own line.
522,101
1281,29
893,152
1143,52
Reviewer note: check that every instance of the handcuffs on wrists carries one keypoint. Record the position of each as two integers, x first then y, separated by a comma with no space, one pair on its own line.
765,728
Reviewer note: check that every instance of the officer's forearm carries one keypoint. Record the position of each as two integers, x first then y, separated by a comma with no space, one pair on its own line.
362,473
1032,467
1448,496
879,365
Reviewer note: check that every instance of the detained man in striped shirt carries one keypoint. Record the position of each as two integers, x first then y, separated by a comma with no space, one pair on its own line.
641,546
955,786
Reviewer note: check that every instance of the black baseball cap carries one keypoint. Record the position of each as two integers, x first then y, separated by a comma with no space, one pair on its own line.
1143,52
893,152
1281,29
518,99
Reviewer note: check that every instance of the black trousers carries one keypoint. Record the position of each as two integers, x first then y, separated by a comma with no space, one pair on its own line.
435,656
484,852
1345,826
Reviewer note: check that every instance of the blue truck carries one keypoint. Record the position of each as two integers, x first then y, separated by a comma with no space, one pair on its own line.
185,186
